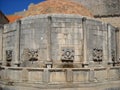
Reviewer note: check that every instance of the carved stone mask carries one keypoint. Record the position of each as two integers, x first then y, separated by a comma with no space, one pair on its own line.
67,55
9,55
97,55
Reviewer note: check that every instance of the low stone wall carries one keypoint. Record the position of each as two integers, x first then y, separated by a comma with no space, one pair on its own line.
58,75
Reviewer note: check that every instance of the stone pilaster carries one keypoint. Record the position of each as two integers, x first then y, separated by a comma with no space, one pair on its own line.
17,44
49,58
69,75
105,45
117,44
1,44
109,45
24,75
92,75
4,51
46,76
85,62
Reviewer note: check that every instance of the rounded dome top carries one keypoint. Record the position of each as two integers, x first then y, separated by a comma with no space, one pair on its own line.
58,7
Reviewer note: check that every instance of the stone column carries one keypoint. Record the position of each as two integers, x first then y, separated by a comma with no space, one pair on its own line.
117,43
109,45
17,44
85,62
1,44
105,45
4,51
49,59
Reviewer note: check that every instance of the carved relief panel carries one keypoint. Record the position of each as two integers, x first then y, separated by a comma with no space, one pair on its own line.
30,55
33,55
113,55
97,55
67,55
9,57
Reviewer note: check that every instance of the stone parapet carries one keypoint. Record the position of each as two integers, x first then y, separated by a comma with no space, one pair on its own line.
58,76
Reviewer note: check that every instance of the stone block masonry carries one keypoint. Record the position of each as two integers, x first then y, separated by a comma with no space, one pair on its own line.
59,51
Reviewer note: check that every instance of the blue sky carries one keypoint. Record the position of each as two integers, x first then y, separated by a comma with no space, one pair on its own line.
11,6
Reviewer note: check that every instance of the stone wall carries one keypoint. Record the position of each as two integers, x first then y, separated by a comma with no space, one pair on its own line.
102,7
47,38
58,78
1,30
112,20
105,10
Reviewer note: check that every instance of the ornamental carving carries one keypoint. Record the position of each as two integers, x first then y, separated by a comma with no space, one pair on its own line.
9,55
67,55
113,55
31,55
97,55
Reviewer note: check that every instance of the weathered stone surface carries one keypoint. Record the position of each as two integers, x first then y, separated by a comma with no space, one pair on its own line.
59,78
50,36
102,7
59,51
